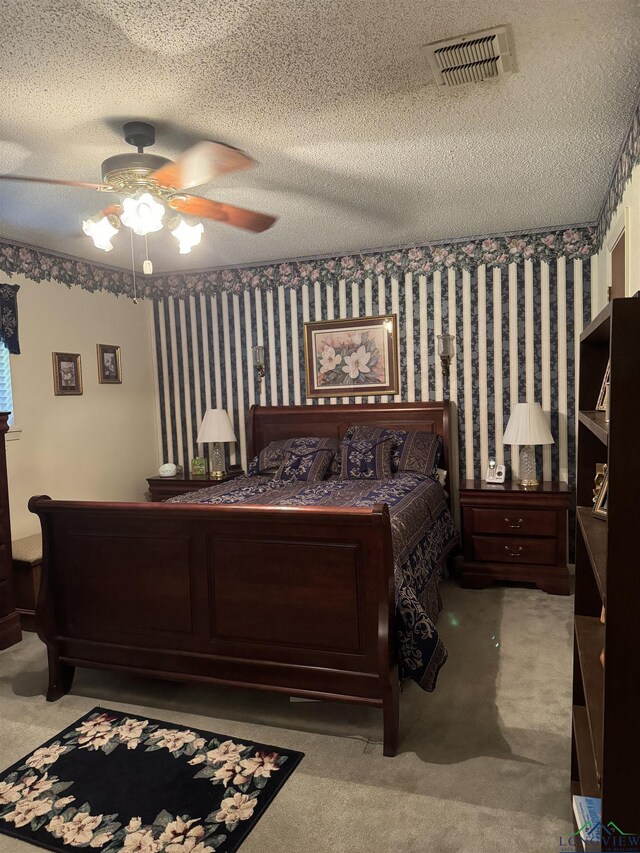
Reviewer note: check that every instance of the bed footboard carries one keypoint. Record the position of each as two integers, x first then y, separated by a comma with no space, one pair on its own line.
297,600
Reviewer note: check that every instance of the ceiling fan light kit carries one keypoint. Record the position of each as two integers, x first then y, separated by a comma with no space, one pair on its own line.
143,214
152,188
187,236
101,231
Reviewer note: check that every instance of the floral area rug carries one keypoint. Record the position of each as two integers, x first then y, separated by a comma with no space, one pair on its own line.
117,782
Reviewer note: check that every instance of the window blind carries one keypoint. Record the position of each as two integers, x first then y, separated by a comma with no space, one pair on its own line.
6,397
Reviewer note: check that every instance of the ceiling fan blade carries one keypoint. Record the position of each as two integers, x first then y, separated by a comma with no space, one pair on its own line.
111,210
201,163
57,181
239,217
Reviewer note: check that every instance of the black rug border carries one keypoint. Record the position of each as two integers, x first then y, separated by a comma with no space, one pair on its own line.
294,759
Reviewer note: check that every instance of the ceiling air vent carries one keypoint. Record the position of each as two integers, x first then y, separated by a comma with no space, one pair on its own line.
470,59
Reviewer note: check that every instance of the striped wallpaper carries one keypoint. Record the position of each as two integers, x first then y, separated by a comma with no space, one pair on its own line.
516,332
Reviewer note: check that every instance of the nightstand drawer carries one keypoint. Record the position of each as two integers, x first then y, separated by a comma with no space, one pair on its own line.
496,549
516,522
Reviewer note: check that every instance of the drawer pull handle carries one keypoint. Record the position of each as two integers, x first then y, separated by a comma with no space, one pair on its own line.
513,526
514,553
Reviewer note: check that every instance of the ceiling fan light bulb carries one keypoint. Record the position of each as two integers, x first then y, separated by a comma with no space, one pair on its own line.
187,236
101,232
143,214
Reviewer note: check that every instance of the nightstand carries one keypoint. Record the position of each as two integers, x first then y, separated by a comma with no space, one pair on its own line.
162,488
515,534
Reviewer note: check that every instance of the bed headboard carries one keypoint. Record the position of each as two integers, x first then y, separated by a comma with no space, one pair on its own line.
273,423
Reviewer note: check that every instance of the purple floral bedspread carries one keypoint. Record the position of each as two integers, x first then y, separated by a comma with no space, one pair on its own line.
423,534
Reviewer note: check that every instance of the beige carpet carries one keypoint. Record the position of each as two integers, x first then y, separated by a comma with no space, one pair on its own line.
483,762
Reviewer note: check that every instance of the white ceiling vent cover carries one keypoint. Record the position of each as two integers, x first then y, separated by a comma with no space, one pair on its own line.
471,58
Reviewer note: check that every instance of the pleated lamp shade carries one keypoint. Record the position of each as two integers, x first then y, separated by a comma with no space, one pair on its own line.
527,425
215,426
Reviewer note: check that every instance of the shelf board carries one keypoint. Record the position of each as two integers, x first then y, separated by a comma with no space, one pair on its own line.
595,421
599,328
590,641
584,750
595,535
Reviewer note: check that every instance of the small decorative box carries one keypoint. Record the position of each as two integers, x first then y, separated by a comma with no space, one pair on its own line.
198,465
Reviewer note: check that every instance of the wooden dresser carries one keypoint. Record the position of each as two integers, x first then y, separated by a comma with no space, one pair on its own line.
10,632
515,534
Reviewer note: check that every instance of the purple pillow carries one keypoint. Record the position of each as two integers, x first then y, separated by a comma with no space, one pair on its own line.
412,450
308,466
366,459
271,458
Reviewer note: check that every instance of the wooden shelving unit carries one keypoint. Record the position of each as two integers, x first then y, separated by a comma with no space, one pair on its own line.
595,421
605,755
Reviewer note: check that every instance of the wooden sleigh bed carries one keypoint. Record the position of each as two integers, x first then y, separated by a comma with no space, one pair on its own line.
298,600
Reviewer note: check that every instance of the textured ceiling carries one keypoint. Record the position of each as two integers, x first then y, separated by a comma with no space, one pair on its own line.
357,147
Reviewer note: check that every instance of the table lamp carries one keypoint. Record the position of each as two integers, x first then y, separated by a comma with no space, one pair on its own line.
215,429
527,426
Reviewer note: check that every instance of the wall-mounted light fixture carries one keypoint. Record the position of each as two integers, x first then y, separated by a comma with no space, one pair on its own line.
258,360
446,351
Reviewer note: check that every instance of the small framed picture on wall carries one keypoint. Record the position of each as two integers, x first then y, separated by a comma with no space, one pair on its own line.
67,373
109,366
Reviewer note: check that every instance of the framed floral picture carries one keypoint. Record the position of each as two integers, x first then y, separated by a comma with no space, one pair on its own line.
346,358
67,373
109,367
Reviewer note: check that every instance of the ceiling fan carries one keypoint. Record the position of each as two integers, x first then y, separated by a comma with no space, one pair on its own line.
152,188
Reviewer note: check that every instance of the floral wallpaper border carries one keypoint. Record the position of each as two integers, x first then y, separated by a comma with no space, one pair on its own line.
499,251
628,159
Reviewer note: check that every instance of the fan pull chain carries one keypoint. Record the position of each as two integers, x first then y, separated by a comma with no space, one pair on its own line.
147,266
133,268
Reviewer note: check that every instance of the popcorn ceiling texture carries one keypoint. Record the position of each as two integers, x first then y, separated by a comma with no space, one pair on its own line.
357,147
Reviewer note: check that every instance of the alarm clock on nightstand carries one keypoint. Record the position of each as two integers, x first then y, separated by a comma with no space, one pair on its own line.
168,470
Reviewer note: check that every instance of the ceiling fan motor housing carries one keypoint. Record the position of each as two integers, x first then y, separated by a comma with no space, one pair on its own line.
130,172
124,170
139,133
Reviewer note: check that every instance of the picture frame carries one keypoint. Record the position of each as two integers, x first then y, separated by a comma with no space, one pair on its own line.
109,364
199,466
601,405
352,358
601,506
67,373
598,480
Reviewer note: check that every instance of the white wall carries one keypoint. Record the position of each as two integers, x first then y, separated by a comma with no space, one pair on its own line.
627,215
98,446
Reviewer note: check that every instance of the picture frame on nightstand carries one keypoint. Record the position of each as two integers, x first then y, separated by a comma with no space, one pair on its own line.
199,466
